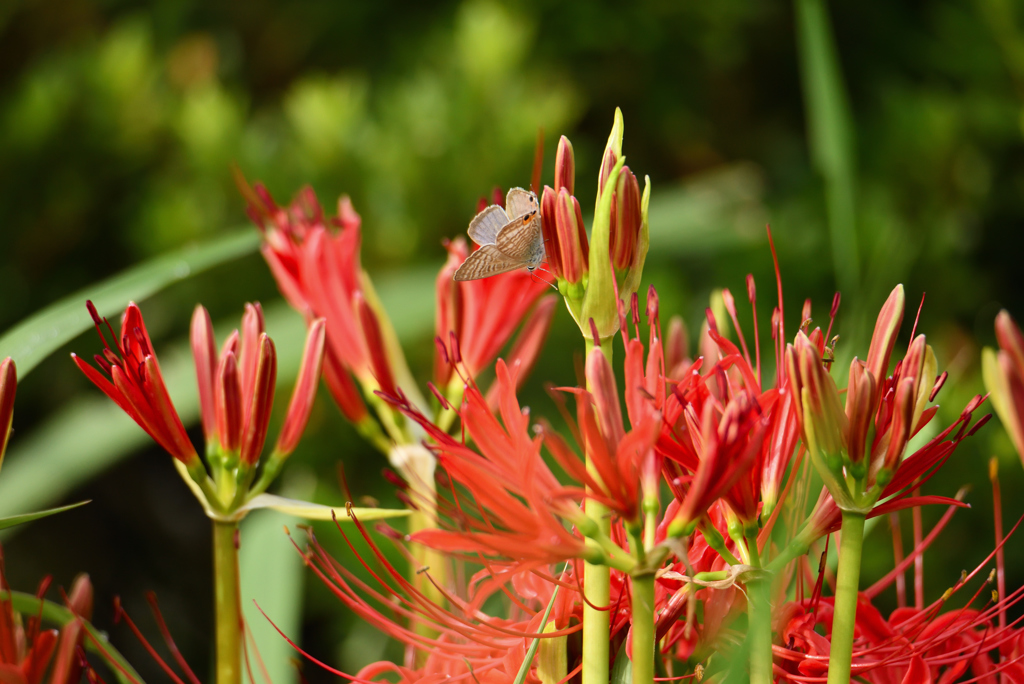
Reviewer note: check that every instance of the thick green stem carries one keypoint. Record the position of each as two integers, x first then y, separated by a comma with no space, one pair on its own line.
227,601
643,629
596,582
759,638
845,612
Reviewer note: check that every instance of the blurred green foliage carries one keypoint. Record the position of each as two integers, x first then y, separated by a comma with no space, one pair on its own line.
120,121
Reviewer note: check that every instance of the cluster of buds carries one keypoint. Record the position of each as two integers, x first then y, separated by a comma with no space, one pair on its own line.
857,450
236,394
593,277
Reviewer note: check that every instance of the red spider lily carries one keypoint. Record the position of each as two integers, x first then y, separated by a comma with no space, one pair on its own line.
131,377
913,645
868,439
28,652
315,261
520,503
457,643
236,391
476,318
725,436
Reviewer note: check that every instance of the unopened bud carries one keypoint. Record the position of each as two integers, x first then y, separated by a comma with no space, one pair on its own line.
625,220
565,166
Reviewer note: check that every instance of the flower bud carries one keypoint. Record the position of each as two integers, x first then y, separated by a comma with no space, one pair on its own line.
257,420
859,409
552,248
204,351
821,417
565,166
1004,377
571,237
884,337
229,402
625,220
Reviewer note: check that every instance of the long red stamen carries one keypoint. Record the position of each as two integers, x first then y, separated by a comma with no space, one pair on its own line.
897,557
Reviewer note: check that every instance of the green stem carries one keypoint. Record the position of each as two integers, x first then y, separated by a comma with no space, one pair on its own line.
759,638
596,581
643,628
227,600
845,611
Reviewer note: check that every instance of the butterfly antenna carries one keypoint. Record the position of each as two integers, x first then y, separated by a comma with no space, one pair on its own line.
544,270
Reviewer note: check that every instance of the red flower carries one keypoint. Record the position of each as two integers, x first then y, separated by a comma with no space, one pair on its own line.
28,652
913,645
236,391
458,643
520,503
131,377
315,261
476,318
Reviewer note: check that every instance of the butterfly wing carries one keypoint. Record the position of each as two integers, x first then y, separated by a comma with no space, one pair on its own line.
486,225
485,262
522,240
519,202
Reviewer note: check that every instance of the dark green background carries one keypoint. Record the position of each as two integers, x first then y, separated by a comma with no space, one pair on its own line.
119,122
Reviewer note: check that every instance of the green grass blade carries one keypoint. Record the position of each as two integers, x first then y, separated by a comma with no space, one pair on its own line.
29,605
12,520
40,335
524,669
830,134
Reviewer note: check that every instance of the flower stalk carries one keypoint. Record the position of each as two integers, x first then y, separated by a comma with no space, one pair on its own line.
643,627
847,581
227,602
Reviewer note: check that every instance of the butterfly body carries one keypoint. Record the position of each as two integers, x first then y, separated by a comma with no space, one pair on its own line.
509,238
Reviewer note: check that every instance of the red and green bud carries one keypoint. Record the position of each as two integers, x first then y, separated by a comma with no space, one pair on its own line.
1004,377
626,220
615,237
565,166
884,337
228,400
822,419
257,418
860,409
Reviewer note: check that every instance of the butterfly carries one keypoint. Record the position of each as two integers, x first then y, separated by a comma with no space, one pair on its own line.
509,238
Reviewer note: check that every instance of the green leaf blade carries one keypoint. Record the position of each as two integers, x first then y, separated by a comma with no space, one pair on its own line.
41,334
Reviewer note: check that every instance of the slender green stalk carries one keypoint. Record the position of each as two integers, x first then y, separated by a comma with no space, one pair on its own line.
643,628
596,583
847,580
430,559
759,637
227,600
